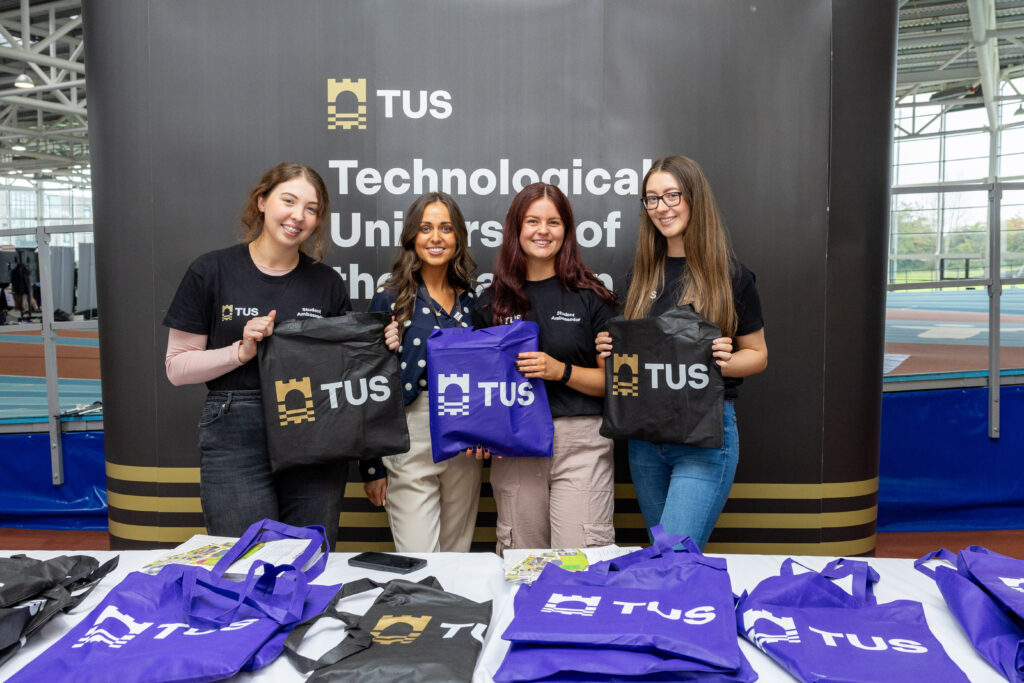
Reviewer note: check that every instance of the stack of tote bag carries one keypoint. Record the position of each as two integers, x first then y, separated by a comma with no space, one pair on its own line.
188,623
985,592
659,613
827,626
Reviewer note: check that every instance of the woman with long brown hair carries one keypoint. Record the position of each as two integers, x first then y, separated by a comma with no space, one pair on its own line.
224,307
565,501
683,257
431,506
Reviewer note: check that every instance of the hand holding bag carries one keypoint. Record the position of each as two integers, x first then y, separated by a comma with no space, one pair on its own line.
331,391
479,398
661,381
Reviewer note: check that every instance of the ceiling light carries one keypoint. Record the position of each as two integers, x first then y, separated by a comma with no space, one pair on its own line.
1020,111
24,81
19,148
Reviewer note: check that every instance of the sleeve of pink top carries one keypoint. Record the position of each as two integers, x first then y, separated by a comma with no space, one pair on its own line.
188,361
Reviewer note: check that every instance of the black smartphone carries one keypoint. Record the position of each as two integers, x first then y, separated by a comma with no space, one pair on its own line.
387,562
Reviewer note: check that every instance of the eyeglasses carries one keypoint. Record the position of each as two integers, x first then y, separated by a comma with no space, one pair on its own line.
650,202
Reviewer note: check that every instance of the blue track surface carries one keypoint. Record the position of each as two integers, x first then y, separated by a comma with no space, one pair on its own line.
23,399
967,333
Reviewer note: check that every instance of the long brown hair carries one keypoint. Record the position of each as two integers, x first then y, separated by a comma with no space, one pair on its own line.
405,279
509,298
707,283
252,217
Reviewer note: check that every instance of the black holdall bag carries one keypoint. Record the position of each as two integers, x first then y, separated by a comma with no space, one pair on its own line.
331,391
32,592
661,382
413,632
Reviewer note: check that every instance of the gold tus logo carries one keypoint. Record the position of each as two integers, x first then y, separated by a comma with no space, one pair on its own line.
294,415
416,626
352,113
625,383
225,312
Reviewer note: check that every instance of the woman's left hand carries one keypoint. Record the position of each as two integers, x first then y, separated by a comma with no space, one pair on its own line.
391,335
721,349
539,365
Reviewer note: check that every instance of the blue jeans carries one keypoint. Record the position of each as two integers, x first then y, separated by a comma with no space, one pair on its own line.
684,488
236,485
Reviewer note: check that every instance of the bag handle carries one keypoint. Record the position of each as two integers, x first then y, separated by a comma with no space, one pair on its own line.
863,576
355,640
271,530
940,554
259,590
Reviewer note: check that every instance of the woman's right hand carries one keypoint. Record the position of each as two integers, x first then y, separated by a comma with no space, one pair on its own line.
603,344
391,335
480,453
256,330
376,490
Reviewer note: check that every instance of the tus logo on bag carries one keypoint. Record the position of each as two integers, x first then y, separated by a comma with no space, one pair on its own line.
625,383
589,604
416,626
456,405
294,415
112,621
790,634
673,376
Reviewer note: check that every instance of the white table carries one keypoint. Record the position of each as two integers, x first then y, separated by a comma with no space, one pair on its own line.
478,576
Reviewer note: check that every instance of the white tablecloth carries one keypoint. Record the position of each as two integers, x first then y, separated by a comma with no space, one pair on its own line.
478,576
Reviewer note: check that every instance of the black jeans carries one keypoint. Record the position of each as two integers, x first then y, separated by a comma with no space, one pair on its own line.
236,484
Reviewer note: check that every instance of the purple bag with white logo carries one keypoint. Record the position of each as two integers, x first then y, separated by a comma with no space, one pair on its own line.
827,626
479,398
992,627
656,614
188,623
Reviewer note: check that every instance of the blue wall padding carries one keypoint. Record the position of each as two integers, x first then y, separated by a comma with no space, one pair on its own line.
28,498
940,471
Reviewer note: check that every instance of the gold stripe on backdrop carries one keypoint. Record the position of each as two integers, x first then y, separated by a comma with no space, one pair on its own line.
159,475
839,489
836,548
155,534
796,520
123,501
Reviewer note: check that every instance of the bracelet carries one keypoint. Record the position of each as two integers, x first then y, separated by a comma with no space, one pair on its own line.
566,374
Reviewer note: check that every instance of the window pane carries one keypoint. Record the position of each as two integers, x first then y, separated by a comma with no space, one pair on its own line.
974,145
917,174
933,331
965,169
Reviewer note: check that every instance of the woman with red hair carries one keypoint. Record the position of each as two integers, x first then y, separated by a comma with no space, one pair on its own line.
565,501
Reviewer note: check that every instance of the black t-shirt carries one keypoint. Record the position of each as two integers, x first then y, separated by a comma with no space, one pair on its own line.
744,295
568,320
223,289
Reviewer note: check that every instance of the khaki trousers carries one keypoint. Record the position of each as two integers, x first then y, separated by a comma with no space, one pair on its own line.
431,506
566,501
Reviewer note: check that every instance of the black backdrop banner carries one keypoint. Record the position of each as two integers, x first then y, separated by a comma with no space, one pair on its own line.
787,106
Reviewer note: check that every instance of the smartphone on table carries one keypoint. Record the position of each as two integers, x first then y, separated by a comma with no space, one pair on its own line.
387,562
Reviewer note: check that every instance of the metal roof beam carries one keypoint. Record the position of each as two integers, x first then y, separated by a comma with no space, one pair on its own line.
925,38
43,60
986,45
32,103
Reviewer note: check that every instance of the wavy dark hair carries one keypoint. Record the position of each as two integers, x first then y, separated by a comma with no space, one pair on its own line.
708,283
508,298
252,217
405,277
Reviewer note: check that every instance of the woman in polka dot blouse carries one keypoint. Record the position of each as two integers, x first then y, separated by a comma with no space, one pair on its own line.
431,506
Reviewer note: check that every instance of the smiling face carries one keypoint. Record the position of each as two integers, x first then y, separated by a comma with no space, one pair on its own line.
541,236
289,213
670,221
435,240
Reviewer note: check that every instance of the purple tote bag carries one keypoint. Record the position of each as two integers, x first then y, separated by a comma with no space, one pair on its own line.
479,398
818,631
659,613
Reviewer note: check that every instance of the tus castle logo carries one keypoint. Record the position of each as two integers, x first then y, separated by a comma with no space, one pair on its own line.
348,99
305,412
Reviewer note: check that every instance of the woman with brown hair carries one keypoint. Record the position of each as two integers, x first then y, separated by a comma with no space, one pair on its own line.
683,257
565,501
431,506
224,307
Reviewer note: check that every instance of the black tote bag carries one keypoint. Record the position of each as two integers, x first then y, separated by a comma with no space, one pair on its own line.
662,383
331,391
413,632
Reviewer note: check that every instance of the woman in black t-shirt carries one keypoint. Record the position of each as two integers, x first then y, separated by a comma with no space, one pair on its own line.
565,501
683,257
224,307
